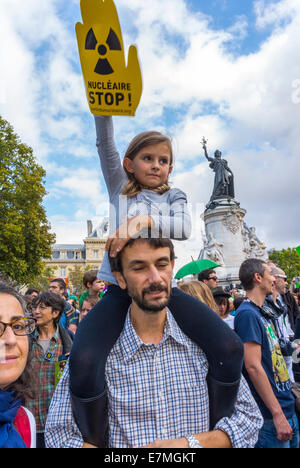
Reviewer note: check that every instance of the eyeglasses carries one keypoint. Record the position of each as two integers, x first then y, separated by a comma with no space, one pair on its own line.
20,327
213,278
281,276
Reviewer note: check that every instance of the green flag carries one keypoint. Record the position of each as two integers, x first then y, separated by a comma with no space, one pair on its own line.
298,250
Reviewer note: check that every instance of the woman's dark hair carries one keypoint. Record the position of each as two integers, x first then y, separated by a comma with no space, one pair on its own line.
222,299
26,386
50,299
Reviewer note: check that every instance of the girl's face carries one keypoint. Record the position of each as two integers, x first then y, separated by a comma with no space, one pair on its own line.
13,349
223,308
151,165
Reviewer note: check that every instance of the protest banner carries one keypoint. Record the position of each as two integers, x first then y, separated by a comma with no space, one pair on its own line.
112,88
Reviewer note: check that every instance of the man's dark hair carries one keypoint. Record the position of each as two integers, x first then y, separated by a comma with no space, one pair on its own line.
50,299
61,282
247,271
156,243
89,277
204,275
30,291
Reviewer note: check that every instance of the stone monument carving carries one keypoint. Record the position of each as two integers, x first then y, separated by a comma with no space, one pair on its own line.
245,235
214,250
233,220
257,248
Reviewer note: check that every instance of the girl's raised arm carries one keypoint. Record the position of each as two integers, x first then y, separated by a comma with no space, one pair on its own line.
112,169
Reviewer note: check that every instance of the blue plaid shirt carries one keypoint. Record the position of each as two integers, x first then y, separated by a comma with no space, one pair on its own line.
154,393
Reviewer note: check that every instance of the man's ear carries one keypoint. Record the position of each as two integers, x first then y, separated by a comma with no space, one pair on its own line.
257,278
120,279
127,163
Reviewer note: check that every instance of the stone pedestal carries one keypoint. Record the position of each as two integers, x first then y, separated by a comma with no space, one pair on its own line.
229,241
224,241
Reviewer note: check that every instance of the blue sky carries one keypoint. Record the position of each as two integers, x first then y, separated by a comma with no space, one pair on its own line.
225,69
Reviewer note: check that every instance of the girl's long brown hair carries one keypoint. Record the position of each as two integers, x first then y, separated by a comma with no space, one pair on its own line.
140,141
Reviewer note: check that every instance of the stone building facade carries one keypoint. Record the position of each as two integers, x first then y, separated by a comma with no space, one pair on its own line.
89,253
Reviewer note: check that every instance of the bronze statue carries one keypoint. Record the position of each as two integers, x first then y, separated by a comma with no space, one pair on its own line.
224,180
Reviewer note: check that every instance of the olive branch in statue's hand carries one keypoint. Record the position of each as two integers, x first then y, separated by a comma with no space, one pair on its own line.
102,56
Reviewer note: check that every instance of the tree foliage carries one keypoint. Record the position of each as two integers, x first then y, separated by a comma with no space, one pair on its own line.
288,260
41,282
25,236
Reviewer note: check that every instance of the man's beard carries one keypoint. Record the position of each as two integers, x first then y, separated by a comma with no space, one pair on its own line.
149,306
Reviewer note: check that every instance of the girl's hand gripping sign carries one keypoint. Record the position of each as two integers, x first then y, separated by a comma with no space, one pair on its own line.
112,87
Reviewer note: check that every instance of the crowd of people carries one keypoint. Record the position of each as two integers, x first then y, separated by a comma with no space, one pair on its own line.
144,362
37,331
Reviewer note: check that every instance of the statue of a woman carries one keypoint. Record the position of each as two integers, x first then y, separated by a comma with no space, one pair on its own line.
224,180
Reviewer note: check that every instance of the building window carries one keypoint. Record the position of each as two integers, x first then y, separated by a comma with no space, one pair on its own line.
63,272
96,254
77,256
63,255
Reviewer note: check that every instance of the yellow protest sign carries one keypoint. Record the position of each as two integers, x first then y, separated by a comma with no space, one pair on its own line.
112,87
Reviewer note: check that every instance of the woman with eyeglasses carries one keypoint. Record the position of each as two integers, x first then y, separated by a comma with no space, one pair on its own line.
17,425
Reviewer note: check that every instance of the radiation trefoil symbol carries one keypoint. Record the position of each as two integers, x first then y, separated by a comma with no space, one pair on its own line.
103,66
112,87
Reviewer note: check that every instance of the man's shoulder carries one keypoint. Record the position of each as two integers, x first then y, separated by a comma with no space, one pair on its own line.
247,308
247,314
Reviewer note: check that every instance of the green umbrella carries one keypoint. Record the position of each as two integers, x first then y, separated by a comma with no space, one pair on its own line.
298,250
195,267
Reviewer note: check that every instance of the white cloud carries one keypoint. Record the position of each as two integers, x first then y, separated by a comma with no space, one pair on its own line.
236,102
274,13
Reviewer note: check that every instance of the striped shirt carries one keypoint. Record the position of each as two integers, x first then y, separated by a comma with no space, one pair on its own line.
155,392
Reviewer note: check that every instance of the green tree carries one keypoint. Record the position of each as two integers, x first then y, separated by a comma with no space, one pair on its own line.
41,282
25,236
288,260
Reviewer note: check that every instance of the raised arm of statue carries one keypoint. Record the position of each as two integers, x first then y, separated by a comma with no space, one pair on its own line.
205,149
